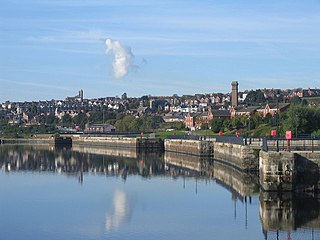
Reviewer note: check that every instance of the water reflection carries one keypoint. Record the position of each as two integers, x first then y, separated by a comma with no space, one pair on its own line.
121,211
288,212
281,216
75,162
239,183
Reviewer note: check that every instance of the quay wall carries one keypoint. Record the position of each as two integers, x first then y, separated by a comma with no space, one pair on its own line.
122,142
107,141
289,171
26,141
277,171
191,147
239,156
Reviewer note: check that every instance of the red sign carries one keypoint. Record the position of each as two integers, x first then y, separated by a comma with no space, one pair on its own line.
288,135
220,134
273,133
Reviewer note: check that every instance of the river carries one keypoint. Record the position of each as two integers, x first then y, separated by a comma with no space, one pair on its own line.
95,193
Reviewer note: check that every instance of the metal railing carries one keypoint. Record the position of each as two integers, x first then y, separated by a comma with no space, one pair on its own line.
296,144
232,139
192,137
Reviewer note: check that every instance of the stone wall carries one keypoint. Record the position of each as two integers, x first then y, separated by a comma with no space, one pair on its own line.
242,157
27,141
277,171
193,147
122,142
108,141
117,152
288,171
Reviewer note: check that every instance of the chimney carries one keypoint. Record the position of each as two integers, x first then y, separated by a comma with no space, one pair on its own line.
234,95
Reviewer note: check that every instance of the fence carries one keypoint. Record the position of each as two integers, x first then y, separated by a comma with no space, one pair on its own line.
296,144
232,139
192,137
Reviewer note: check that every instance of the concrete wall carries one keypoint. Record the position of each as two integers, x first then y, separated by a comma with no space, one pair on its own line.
242,157
288,171
121,142
193,147
29,141
108,141
117,152
277,171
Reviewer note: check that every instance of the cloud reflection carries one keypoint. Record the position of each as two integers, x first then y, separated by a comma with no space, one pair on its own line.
121,211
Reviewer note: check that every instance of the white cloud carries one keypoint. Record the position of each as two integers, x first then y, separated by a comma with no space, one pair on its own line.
123,58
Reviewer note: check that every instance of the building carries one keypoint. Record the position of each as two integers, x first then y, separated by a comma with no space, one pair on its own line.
191,121
243,111
273,108
99,128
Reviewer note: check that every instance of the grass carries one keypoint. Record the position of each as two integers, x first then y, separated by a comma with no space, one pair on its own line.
262,130
170,133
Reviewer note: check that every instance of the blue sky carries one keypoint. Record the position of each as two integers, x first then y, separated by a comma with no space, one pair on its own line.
49,49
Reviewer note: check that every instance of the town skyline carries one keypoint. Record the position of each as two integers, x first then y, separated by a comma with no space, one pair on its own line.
53,48
81,94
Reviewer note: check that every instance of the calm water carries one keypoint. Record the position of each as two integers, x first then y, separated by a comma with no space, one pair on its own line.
88,193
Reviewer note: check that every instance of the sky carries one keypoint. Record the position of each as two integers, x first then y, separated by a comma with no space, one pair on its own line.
50,49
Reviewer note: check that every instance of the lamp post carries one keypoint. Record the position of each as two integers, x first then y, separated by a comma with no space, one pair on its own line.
249,129
248,123
277,112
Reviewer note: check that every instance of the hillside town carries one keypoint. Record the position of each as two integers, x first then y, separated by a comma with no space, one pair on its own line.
192,112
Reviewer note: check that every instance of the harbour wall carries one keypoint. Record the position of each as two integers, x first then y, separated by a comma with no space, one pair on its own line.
190,147
243,157
122,142
289,171
25,141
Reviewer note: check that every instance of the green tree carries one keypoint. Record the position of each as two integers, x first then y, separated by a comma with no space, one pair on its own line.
80,120
255,97
216,125
66,120
302,119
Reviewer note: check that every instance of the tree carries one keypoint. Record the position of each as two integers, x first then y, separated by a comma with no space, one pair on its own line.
255,97
302,119
295,100
66,120
216,125
81,119
49,119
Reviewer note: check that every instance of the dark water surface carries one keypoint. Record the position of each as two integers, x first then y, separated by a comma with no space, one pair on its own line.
88,193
